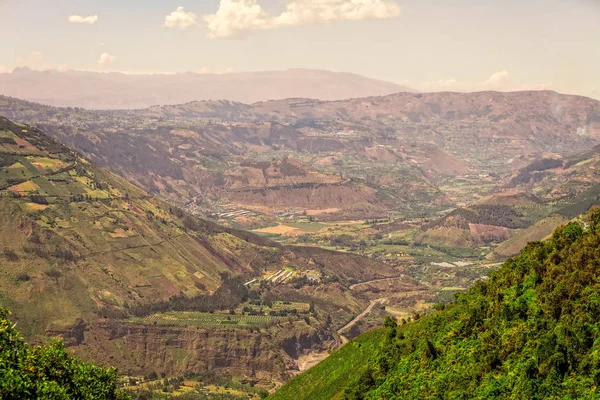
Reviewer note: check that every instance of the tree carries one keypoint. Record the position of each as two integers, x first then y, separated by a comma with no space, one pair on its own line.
48,372
390,322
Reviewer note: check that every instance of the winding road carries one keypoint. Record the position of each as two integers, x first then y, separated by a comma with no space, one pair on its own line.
358,318
369,308
307,361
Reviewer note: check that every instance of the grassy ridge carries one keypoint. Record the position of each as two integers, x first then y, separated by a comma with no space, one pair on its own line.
532,331
328,379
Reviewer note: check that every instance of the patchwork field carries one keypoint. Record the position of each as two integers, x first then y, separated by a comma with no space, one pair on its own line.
207,319
277,230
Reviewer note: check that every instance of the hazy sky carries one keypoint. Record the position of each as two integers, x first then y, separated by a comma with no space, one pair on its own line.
427,44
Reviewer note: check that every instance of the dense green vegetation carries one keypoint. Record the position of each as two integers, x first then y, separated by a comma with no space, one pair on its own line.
327,379
529,332
48,372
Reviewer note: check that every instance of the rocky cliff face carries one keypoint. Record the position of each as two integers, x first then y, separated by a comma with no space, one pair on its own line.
265,354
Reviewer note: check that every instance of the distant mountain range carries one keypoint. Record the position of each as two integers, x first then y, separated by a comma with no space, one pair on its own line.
356,158
124,91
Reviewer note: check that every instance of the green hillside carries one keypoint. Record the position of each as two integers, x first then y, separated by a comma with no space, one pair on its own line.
328,379
78,240
532,331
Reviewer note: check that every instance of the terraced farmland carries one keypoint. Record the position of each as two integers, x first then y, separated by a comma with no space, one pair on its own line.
287,305
208,319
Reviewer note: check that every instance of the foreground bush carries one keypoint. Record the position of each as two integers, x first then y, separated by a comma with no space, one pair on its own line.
48,372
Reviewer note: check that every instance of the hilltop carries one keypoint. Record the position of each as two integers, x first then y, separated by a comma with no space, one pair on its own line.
529,331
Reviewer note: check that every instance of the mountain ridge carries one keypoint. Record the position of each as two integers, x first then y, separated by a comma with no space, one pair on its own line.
111,90
192,151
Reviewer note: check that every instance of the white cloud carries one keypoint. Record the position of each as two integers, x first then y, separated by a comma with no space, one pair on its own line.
500,80
442,83
209,70
180,19
33,60
62,67
106,60
497,79
5,70
235,18
317,11
78,19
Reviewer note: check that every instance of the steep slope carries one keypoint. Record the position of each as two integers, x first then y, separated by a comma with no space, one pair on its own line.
116,90
327,380
536,232
77,239
530,331
114,271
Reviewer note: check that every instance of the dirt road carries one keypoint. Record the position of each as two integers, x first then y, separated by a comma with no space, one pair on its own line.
358,318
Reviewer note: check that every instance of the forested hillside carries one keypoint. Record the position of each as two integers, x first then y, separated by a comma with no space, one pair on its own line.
529,332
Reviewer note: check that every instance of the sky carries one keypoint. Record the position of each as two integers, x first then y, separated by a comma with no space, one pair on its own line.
430,45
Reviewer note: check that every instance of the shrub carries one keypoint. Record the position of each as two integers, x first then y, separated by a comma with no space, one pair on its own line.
390,322
49,372
38,199
54,273
10,255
